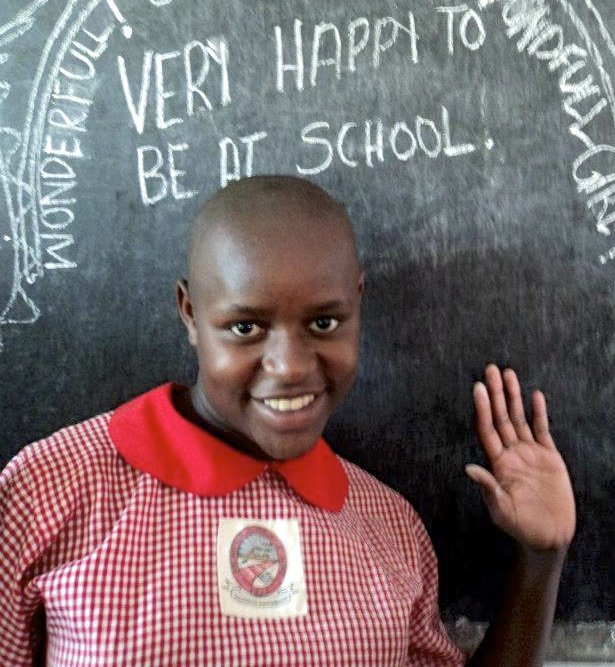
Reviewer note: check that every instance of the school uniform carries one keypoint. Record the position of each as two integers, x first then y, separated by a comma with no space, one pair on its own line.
137,539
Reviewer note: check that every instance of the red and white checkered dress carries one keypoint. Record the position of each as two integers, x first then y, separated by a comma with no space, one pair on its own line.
124,565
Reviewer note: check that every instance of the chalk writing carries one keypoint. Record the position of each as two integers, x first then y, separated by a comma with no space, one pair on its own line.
585,98
230,160
126,29
152,167
423,137
193,75
195,79
384,33
470,21
65,122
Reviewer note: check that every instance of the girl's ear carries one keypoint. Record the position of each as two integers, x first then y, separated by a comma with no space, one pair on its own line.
361,282
186,312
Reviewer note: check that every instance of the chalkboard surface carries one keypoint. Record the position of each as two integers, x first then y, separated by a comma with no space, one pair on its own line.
474,145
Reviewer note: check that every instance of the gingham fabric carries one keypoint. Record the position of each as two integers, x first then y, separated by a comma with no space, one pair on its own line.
124,567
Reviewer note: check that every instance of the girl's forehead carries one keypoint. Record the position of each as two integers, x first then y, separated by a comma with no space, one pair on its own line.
275,249
278,266
277,216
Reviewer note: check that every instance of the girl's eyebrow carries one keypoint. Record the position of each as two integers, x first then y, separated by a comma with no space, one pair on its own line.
334,304
248,311
238,309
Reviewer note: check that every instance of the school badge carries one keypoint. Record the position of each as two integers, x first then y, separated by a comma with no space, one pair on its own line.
260,568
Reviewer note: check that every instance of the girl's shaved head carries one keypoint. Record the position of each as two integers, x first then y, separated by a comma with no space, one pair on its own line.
260,209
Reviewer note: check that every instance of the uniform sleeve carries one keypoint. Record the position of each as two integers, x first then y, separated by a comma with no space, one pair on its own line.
21,626
430,645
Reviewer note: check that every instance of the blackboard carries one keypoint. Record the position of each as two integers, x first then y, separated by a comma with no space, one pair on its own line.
474,145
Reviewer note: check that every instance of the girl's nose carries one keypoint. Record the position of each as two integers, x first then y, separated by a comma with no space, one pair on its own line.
289,357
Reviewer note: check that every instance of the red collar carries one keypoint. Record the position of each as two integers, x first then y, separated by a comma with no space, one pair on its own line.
154,438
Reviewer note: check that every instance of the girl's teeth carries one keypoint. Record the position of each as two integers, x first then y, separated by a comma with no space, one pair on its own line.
289,404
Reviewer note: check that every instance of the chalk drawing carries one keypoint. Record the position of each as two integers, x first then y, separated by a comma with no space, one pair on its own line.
22,22
20,154
19,308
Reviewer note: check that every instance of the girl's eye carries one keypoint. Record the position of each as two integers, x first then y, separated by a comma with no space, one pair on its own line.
324,324
245,329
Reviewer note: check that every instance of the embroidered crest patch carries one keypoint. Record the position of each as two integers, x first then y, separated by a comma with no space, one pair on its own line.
260,568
